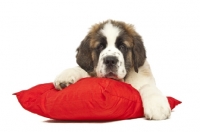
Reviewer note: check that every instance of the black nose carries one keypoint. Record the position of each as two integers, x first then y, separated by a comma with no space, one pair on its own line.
110,60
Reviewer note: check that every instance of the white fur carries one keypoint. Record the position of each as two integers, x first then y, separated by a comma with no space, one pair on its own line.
155,104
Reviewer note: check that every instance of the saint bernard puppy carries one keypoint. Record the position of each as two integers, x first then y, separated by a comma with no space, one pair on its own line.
113,49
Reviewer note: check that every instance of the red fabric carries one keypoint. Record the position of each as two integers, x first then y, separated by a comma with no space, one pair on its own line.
88,99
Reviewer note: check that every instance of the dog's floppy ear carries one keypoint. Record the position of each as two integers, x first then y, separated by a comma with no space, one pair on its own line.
83,56
139,52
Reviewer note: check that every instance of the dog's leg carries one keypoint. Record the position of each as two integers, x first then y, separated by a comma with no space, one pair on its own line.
69,76
155,104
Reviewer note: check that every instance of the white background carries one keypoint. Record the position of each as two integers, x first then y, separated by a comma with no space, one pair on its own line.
38,40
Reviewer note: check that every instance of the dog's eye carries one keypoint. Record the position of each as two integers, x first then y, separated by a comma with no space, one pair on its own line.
122,47
101,46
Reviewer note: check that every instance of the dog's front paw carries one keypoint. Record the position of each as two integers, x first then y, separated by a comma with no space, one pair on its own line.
156,107
66,78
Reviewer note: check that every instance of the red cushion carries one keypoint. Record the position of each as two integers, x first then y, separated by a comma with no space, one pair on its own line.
88,99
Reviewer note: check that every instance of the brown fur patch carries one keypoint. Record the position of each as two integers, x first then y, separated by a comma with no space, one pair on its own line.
86,57
128,60
83,56
139,52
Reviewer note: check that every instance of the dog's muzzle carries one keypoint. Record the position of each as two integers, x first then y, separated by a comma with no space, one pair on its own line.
111,66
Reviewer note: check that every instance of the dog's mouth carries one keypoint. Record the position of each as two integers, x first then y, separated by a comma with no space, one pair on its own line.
112,75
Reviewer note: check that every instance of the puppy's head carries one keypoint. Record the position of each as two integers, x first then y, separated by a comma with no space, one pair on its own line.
110,49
